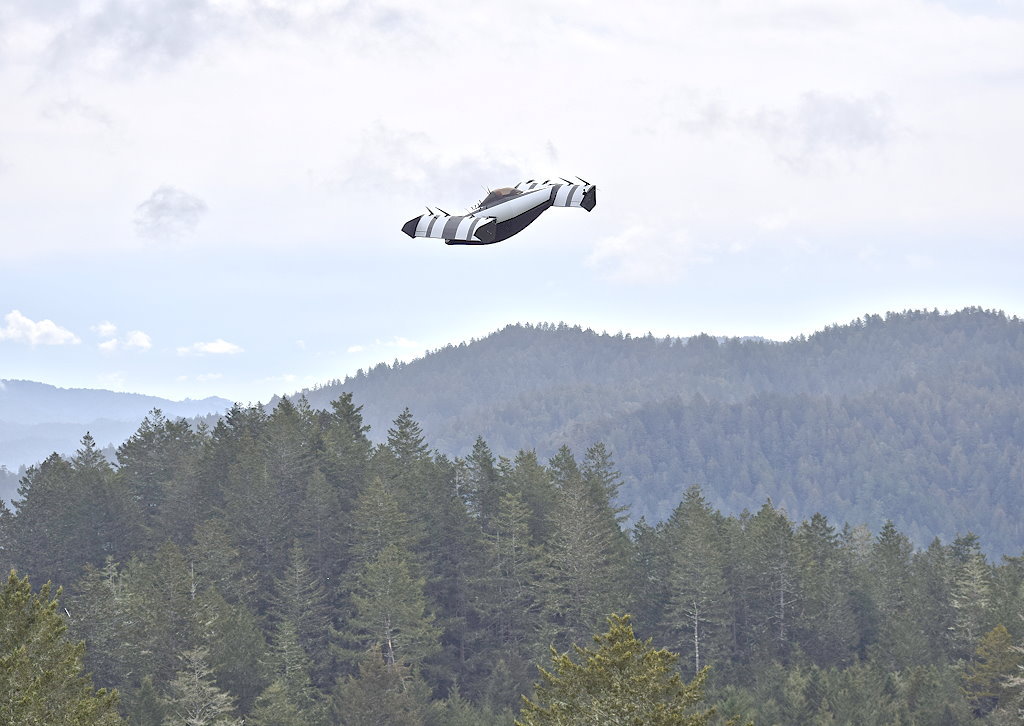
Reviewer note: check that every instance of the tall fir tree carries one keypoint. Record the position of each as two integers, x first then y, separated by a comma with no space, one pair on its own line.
827,628
585,557
482,485
159,454
300,600
621,680
770,587
382,693
41,678
194,699
390,611
698,607
971,595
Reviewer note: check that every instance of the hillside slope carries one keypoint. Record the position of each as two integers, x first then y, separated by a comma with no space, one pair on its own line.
37,419
913,414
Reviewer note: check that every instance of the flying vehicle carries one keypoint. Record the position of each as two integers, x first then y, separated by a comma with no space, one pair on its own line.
502,213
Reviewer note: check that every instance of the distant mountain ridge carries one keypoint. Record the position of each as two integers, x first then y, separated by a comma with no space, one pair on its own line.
916,416
913,416
37,419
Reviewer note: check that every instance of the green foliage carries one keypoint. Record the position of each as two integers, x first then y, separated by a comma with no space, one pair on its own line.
145,707
587,558
41,680
193,697
911,416
391,612
989,677
384,692
303,570
622,680
698,606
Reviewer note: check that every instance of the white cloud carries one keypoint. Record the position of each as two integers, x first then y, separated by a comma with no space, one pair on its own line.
399,342
641,255
168,214
823,131
137,340
21,329
106,329
355,349
132,340
203,377
215,347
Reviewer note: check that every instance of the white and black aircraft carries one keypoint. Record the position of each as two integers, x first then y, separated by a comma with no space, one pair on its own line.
502,213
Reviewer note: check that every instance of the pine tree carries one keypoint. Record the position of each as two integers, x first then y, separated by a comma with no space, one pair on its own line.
482,488
598,471
67,516
157,454
276,708
163,601
391,612
988,676
300,599
698,608
382,693
145,707
193,698
102,612
770,588
900,641
622,680
347,449
971,595
585,557
322,522
41,680
458,711
291,667
219,564
379,520
933,581
513,591
826,629
236,644
6,537
533,482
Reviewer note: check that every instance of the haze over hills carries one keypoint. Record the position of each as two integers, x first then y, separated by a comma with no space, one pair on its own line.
37,419
913,416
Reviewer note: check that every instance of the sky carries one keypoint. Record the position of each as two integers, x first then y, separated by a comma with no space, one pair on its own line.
205,197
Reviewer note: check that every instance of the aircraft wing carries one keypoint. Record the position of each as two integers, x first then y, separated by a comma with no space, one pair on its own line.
463,228
564,195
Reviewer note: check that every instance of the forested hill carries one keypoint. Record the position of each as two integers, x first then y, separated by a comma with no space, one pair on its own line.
37,419
913,416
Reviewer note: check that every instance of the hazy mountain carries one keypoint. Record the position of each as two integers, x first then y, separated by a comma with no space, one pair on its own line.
37,419
913,416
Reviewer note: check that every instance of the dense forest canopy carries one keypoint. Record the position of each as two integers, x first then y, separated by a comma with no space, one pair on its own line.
282,568
913,416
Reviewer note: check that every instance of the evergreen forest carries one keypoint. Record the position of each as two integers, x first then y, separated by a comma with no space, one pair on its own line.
913,417
280,568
